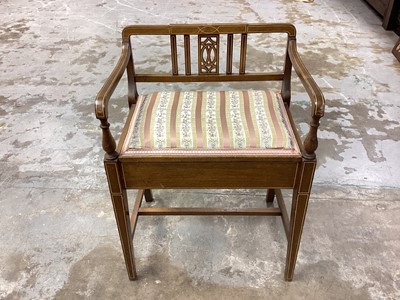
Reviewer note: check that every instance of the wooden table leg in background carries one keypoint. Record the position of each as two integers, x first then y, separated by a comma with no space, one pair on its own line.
396,50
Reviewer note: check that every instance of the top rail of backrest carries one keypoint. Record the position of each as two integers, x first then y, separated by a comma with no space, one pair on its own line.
193,29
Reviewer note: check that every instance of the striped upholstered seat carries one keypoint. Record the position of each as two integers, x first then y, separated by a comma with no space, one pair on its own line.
226,122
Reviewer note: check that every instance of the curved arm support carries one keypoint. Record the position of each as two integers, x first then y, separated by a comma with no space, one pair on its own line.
316,96
101,104
317,100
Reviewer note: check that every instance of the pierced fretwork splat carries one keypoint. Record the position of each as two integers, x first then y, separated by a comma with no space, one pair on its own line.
208,59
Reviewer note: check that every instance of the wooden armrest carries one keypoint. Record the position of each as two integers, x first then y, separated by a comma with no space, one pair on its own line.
310,143
316,96
101,104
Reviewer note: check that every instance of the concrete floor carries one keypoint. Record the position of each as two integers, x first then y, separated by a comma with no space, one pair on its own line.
58,234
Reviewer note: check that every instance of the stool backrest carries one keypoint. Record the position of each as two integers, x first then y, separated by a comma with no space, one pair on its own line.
209,50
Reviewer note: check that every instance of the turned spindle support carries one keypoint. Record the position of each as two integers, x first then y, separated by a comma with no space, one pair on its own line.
108,141
311,141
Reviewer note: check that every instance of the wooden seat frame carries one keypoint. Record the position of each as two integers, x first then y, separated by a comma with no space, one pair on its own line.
272,173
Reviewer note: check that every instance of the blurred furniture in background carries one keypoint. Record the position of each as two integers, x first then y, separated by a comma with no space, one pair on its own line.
389,10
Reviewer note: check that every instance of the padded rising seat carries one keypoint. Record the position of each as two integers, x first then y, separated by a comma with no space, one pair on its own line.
194,123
